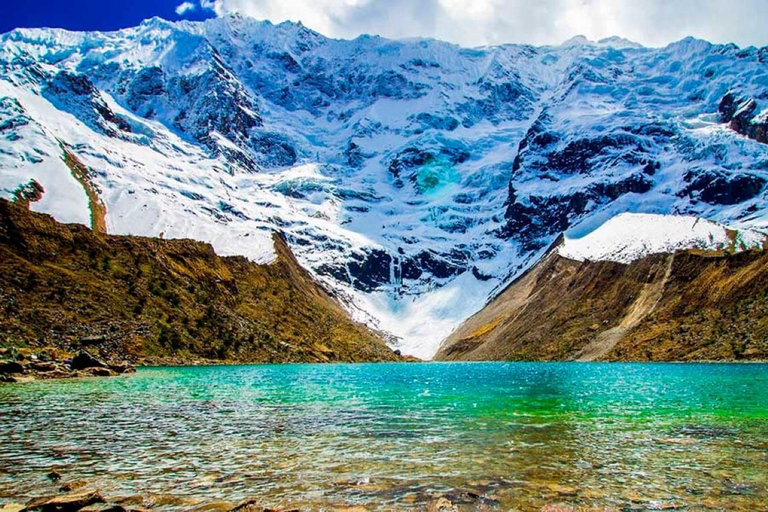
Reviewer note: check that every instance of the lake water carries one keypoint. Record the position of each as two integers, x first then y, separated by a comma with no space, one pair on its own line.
508,436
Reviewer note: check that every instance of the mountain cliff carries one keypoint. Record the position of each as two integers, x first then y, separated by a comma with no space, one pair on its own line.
132,298
415,178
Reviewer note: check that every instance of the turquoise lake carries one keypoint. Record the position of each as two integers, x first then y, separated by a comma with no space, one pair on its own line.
506,436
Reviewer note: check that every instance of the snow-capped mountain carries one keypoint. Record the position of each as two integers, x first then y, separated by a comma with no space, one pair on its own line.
414,177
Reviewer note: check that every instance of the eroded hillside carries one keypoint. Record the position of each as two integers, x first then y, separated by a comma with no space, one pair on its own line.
690,305
131,297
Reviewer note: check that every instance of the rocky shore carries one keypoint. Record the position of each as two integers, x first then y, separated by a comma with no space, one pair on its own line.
93,501
26,365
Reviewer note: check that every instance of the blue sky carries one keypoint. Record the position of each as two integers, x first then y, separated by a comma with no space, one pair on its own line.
88,14
466,22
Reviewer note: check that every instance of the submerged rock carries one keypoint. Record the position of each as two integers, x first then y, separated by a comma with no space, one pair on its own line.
253,506
122,368
67,503
441,505
73,485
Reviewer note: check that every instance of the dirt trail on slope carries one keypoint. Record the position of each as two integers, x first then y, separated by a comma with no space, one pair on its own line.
645,303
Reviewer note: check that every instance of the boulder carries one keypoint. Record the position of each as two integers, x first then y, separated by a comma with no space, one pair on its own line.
83,360
67,503
12,507
100,372
11,367
40,366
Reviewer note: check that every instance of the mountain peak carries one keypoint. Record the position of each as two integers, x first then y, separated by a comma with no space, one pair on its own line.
617,42
578,40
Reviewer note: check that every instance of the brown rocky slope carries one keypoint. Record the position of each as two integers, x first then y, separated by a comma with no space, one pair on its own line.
691,305
133,298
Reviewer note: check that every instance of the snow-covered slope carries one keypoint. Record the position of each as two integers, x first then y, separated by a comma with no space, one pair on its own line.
630,236
414,177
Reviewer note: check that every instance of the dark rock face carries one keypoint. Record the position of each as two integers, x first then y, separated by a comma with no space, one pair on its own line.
508,100
366,272
534,219
377,268
215,102
429,261
273,150
446,123
720,188
371,271
12,115
727,107
392,84
538,154
576,156
68,503
148,83
740,114
354,155
548,154
211,101
77,95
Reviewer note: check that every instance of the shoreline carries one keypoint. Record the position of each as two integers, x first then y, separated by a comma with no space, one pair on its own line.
12,371
80,496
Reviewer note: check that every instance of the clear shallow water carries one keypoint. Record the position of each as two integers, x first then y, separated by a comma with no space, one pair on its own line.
394,436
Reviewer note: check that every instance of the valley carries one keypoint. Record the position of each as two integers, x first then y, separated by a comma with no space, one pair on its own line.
416,179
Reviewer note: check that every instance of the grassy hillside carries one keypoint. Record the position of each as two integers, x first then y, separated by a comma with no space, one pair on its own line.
128,297
691,305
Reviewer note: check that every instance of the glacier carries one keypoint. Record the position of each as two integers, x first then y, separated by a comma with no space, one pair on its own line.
415,178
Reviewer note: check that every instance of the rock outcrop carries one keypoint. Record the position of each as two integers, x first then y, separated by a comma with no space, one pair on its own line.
742,117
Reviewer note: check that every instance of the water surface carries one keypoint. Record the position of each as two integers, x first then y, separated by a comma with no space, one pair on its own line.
394,436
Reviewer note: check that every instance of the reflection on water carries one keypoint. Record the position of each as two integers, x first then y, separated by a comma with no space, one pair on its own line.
484,435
